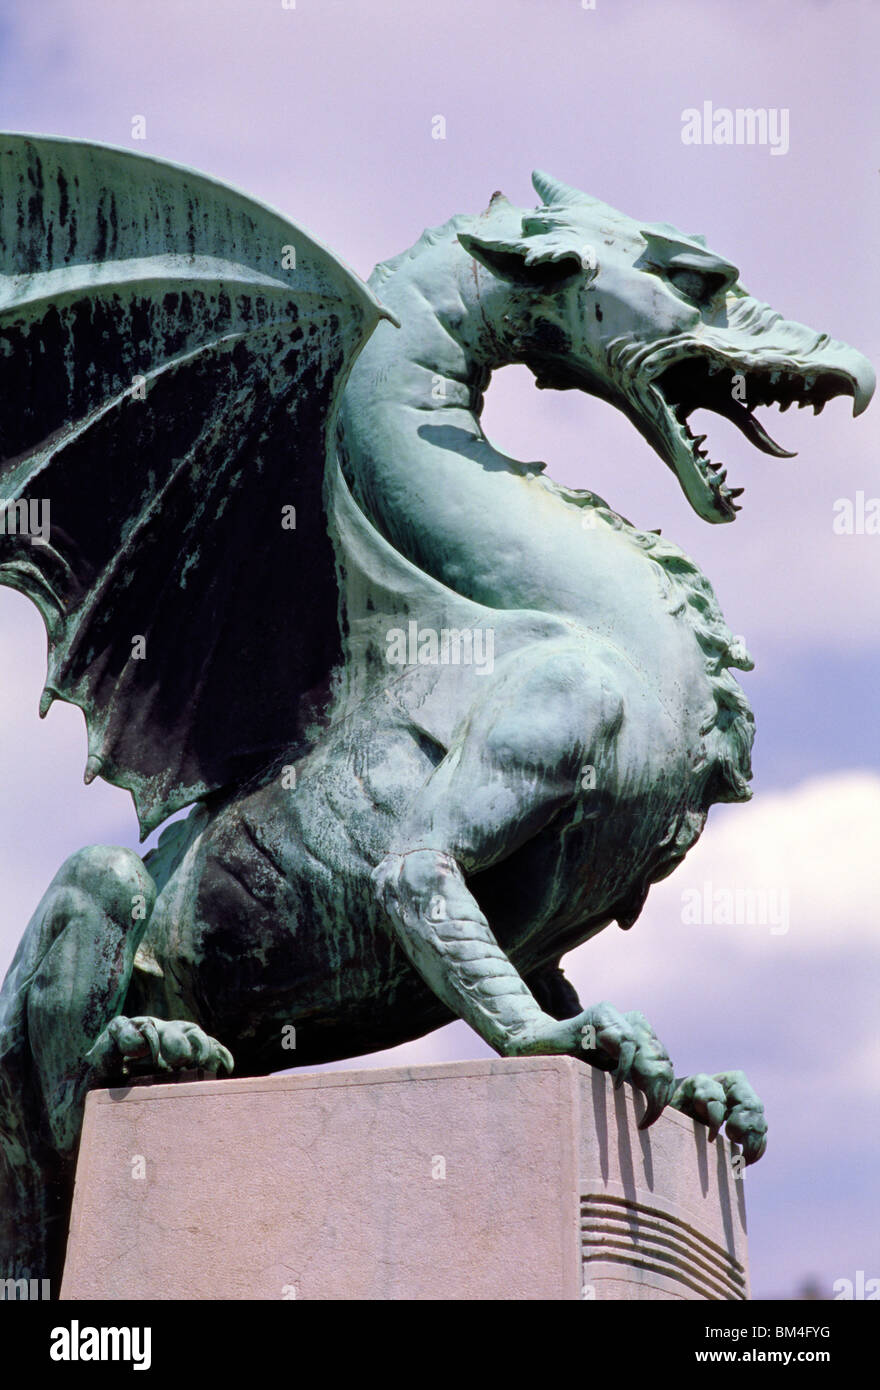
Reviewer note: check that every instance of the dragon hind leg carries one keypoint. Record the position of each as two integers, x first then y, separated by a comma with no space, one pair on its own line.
69,978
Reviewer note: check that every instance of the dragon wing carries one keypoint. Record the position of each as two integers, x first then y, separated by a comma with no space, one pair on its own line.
171,357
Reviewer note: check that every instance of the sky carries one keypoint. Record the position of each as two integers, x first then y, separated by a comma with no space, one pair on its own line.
326,109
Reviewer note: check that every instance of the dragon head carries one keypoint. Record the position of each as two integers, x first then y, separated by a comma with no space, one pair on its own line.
654,322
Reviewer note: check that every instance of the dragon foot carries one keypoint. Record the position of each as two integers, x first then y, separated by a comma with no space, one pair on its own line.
151,1044
725,1099
608,1036
613,1041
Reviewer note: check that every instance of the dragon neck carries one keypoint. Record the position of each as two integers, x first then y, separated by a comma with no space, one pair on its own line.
417,460
493,528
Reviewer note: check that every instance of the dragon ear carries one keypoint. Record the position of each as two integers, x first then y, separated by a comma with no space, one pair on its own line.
540,263
553,193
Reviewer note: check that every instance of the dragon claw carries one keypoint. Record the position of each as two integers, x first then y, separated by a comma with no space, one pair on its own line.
726,1101
146,1044
658,1097
624,1064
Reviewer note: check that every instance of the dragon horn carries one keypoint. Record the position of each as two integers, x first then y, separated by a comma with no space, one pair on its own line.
552,192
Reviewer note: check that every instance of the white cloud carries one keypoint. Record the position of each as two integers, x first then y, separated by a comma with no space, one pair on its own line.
818,842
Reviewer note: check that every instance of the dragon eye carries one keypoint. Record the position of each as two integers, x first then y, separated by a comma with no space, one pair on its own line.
697,285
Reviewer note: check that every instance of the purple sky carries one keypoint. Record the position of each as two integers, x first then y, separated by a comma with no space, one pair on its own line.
325,111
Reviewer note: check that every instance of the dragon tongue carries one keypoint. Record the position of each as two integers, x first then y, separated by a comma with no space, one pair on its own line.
752,429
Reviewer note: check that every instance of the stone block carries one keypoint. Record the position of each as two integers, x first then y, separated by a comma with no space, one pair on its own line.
509,1178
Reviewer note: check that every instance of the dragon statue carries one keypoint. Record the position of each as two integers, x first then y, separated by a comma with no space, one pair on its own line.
440,719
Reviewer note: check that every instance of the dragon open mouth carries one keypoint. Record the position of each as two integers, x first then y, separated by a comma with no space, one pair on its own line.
733,390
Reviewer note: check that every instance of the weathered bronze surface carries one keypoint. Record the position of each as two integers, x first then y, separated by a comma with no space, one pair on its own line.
441,719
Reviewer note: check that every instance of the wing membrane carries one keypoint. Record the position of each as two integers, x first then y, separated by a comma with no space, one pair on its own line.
171,357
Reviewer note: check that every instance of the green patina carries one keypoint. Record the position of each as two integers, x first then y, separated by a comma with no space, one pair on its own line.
441,732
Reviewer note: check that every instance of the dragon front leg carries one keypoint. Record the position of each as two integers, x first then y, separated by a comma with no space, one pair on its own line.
509,772
448,940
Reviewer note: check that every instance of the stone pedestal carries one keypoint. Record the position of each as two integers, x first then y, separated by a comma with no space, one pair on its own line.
514,1179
